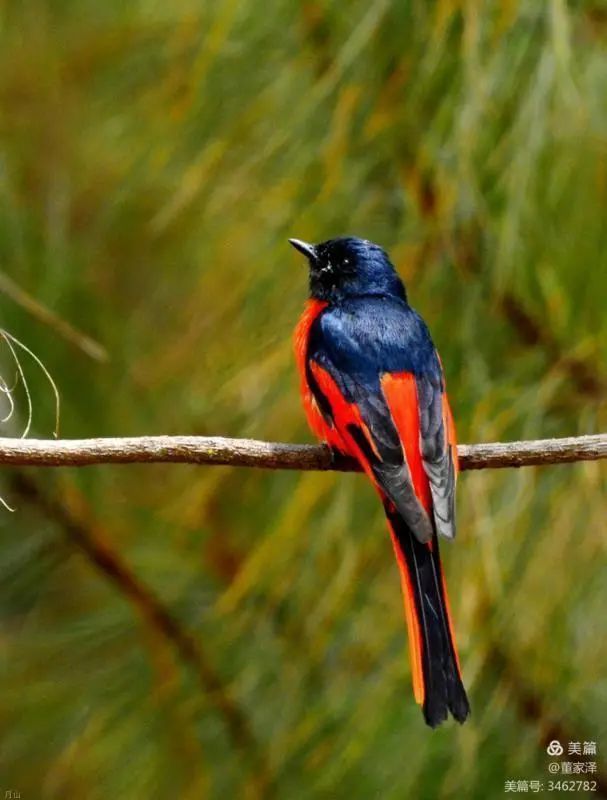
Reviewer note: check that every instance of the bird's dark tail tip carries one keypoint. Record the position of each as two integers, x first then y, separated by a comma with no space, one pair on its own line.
437,681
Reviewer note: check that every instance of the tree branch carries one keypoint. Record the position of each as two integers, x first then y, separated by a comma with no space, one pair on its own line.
274,455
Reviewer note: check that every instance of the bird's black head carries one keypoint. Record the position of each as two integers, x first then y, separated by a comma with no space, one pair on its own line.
349,267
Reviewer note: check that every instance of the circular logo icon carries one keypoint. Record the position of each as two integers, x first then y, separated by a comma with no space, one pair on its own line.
555,748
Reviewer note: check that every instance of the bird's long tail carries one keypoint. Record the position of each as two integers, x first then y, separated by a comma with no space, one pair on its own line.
437,682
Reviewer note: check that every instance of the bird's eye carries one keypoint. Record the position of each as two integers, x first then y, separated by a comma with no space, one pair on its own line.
346,261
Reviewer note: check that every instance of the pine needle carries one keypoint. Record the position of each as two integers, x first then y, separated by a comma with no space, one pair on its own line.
10,341
5,389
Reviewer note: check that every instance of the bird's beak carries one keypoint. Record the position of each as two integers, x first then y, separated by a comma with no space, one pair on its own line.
308,250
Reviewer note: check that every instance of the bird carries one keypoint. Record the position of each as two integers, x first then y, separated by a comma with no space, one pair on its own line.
373,389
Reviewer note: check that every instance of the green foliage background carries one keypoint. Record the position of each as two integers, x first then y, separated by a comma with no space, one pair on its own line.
154,157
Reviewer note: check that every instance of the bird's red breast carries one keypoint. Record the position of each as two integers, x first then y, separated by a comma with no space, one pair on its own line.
300,340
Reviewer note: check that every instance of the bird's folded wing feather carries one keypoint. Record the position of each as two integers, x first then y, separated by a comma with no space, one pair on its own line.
422,396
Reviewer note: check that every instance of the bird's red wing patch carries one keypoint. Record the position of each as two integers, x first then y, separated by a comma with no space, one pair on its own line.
400,391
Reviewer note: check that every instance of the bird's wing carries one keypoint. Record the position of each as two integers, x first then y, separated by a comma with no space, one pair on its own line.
420,407
379,384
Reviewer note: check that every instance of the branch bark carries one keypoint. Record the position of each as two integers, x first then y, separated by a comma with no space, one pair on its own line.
274,455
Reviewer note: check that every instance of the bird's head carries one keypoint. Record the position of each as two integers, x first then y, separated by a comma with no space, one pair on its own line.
349,267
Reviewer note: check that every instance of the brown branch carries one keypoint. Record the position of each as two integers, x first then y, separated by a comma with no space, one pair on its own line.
274,455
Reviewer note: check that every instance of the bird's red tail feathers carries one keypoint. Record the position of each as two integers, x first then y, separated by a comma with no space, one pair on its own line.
437,683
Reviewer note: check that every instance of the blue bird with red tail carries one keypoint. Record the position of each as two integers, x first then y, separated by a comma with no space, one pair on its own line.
373,389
